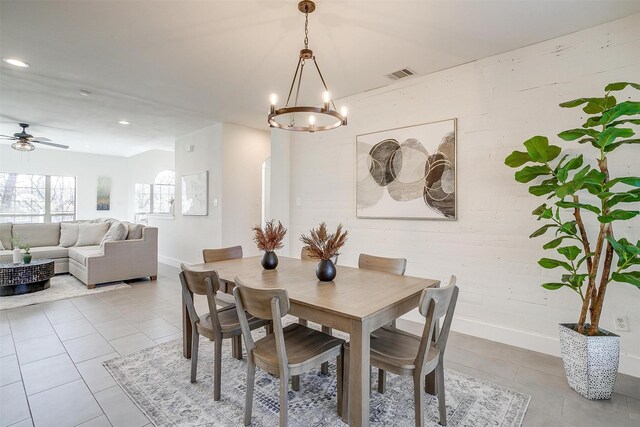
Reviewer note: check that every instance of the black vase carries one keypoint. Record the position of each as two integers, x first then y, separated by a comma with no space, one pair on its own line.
269,260
326,270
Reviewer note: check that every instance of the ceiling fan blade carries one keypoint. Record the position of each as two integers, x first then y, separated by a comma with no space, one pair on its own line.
51,144
7,137
40,139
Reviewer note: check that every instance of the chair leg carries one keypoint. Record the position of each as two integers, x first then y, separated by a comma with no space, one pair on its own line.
217,368
324,368
339,384
441,402
195,341
345,386
284,399
295,382
381,381
418,396
269,328
236,347
248,402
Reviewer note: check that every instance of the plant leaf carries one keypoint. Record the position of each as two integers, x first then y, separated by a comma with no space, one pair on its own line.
540,231
529,173
629,180
539,149
540,190
517,159
628,197
549,263
616,144
609,135
553,286
570,252
618,215
554,243
631,277
591,208
573,134
627,108
614,87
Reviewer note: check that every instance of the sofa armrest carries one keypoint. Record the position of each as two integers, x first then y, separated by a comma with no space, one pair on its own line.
126,259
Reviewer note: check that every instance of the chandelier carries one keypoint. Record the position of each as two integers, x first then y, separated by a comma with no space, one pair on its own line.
317,118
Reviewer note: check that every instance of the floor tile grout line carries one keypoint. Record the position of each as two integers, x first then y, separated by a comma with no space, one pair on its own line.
15,350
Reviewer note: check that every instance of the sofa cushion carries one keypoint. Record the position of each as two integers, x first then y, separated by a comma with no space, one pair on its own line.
36,235
91,234
80,254
5,235
135,231
52,252
117,231
68,234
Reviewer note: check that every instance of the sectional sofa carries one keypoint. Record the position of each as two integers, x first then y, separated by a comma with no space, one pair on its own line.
98,251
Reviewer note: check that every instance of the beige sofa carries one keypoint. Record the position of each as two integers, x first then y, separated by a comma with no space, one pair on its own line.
93,264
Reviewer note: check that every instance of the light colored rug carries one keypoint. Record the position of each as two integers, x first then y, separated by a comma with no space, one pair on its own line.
62,286
157,380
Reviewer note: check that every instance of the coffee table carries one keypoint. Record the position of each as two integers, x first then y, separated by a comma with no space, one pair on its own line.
16,279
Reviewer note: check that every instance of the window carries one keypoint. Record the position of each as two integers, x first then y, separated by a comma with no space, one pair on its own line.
37,198
156,198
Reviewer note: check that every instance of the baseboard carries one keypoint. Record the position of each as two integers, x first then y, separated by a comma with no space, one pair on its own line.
169,261
629,363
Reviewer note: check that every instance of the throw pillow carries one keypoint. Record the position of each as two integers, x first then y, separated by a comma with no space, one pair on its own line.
91,234
1,247
68,234
135,231
117,231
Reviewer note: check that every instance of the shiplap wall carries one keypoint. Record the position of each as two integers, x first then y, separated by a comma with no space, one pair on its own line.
499,102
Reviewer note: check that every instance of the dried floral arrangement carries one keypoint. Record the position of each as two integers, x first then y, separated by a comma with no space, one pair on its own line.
270,238
322,245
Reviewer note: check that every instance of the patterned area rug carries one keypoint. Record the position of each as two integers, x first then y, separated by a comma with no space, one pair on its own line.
157,379
62,286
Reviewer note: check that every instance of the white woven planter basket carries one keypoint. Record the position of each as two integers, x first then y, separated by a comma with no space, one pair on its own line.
590,362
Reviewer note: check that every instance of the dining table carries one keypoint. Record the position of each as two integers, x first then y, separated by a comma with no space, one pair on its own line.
357,302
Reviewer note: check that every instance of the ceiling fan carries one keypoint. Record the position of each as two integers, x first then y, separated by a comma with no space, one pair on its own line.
23,141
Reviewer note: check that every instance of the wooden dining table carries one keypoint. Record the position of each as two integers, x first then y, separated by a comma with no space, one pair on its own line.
357,302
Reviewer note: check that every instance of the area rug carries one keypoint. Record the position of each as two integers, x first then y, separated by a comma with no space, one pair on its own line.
62,286
157,380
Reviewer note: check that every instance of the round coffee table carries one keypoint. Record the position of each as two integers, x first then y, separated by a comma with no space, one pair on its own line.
16,279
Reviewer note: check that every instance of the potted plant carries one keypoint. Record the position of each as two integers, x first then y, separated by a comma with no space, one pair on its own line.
26,258
268,240
584,202
324,246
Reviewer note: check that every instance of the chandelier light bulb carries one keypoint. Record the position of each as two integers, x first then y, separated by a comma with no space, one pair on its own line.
326,96
312,120
344,111
273,98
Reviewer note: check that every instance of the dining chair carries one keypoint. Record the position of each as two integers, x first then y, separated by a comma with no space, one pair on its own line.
402,353
305,255
287,351
223,254
217,324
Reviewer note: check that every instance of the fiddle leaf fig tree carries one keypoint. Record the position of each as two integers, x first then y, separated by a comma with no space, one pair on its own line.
576,186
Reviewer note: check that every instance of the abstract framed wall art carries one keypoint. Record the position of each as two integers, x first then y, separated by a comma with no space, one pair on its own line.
407,173
195,193
103,193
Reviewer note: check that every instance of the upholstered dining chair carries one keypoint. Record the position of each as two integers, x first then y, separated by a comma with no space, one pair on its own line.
287,351
406,354
217,324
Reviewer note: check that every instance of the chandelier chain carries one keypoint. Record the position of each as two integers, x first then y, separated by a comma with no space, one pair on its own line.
306,30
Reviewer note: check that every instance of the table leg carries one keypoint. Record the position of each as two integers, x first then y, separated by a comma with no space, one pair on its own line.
359,359
186,331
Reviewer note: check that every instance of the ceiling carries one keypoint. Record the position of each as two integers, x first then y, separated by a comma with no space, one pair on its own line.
171,67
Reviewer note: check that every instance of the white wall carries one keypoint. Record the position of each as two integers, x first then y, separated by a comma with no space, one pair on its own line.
499,102
85,167
233,155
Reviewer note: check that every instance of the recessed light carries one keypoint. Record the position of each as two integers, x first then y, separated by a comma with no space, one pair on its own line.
85,92
16,62
124,122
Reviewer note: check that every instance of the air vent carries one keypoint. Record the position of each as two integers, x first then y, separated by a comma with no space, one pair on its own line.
401,74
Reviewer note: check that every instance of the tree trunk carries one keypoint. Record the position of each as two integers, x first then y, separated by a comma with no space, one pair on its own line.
590,294
596,310
583,233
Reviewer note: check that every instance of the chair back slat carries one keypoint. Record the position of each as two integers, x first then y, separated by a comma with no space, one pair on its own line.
382,264
222,254
196,280
436,303
258,301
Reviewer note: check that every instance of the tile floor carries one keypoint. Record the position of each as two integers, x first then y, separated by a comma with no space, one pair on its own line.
51,356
